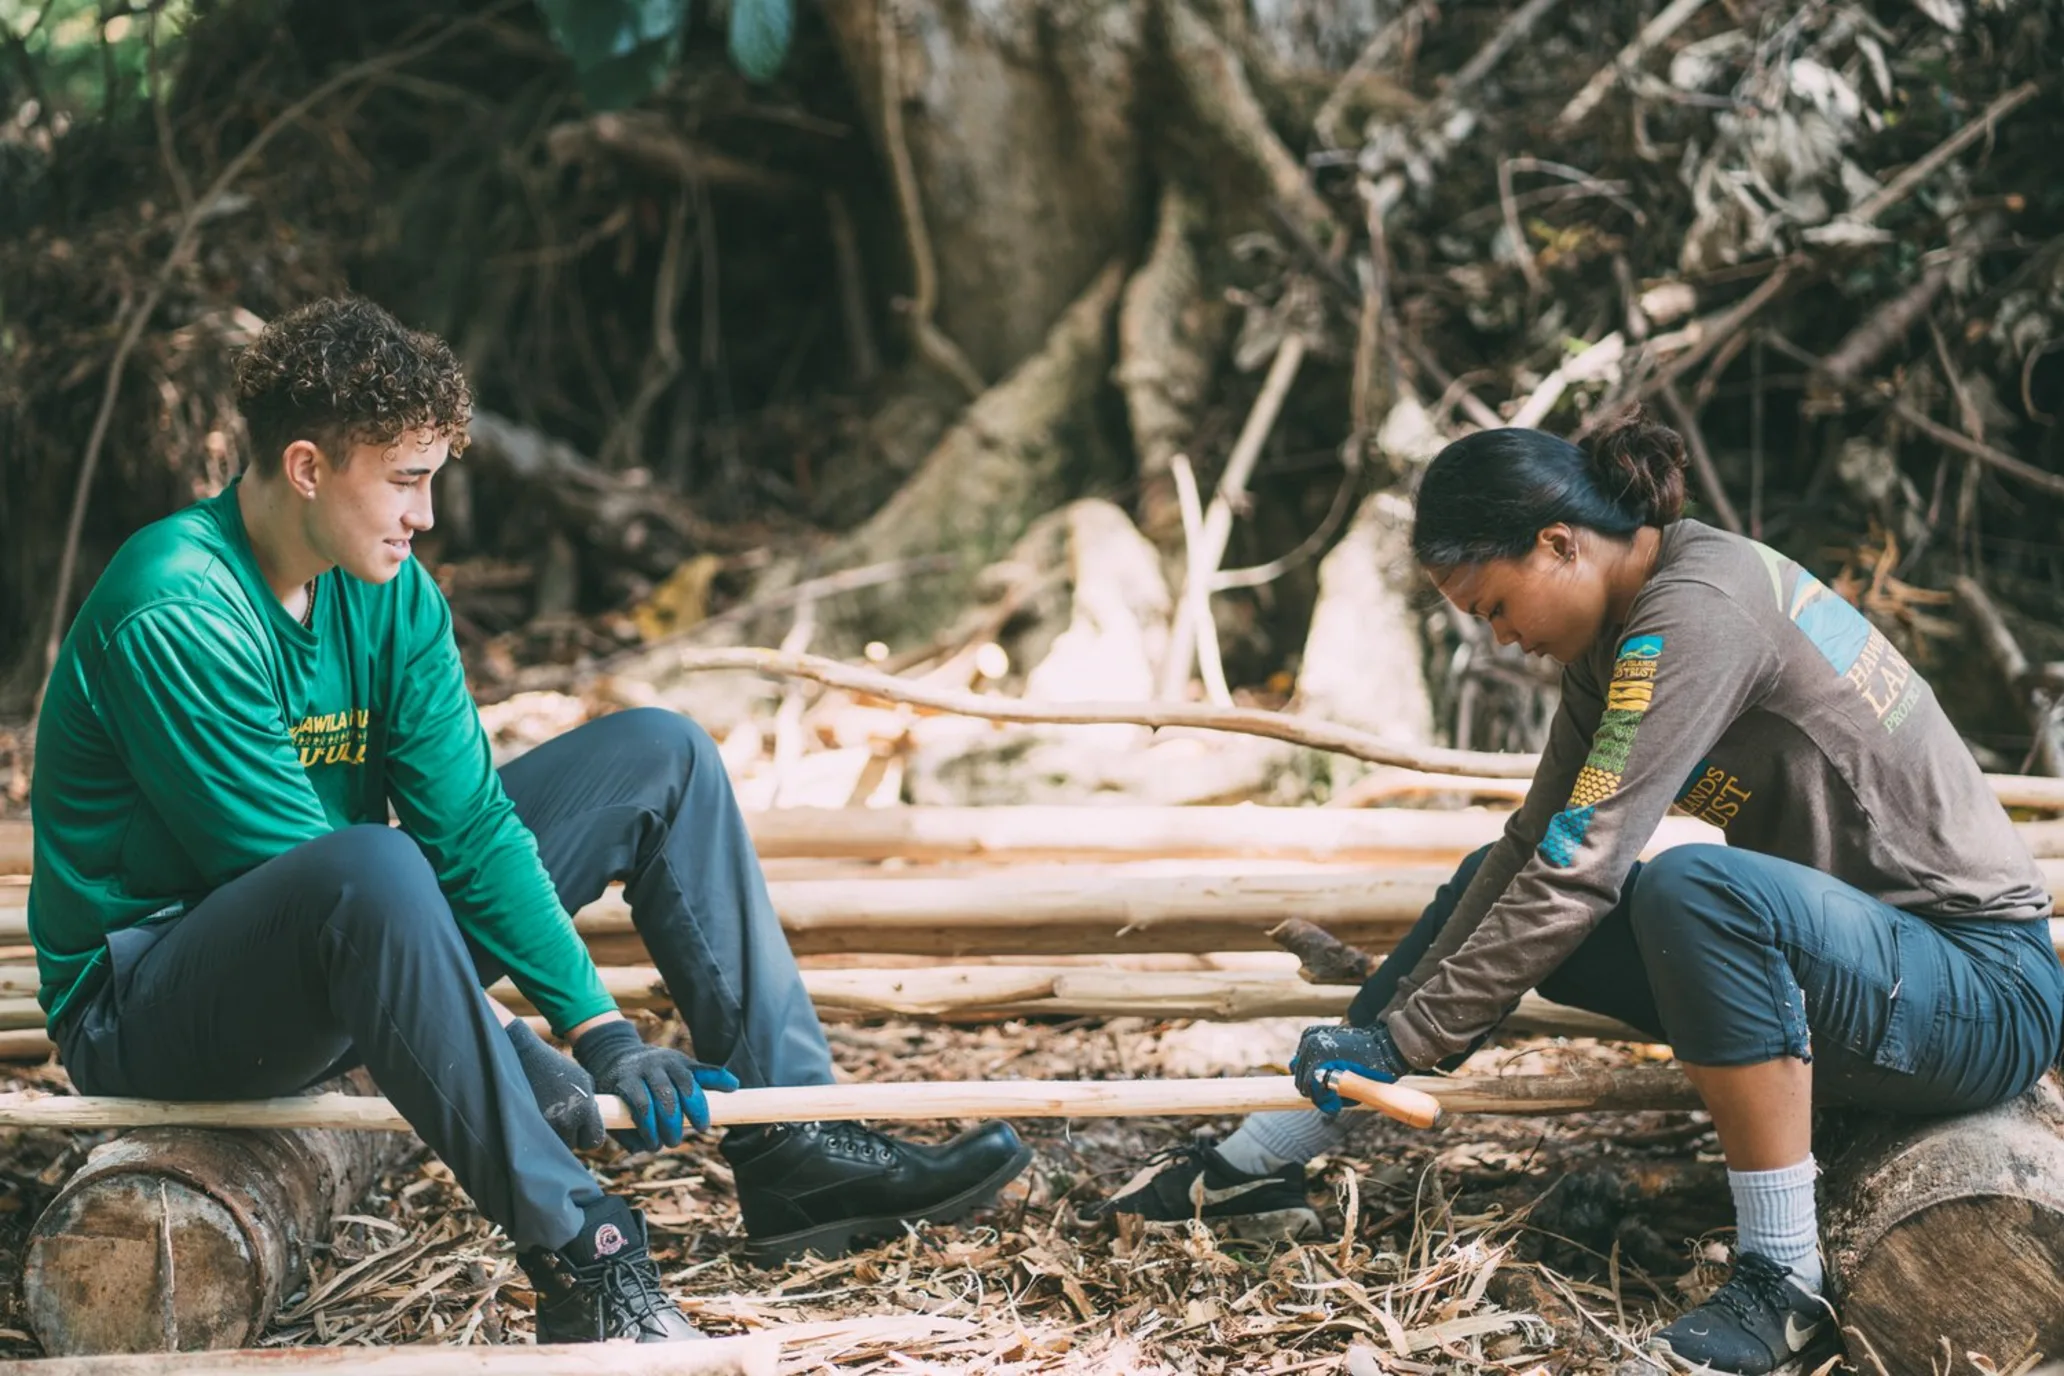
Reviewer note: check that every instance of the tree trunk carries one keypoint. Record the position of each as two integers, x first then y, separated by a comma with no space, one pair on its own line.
1018,122
1022,449
187,1239
1947,1236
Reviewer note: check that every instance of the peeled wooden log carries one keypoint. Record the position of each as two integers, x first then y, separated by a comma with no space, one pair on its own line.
1079,910
986,993
754,1355
1330,835
25,1044
1071,909
1074,910
1324,835
1947,1235
182,1239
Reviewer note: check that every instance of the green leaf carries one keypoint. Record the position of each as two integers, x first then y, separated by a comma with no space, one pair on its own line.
621,49
760,32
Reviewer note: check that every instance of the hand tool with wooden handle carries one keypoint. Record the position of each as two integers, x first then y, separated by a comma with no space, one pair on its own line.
1413,1106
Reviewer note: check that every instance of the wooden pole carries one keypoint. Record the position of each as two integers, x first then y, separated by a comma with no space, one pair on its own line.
753,1355
1329,835
1075,910
1026,834
987,993
919,1101
1029,914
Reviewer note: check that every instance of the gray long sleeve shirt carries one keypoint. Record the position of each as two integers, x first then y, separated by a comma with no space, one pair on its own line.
1744,692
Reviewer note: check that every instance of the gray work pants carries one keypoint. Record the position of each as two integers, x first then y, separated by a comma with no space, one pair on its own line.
344,951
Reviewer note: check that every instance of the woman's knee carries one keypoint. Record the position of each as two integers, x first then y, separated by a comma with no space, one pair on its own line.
1682,899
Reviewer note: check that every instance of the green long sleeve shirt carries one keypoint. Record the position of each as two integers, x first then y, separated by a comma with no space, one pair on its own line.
193,731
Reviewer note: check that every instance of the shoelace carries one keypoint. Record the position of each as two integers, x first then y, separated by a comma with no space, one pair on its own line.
628,1282
854,1140
1757,1283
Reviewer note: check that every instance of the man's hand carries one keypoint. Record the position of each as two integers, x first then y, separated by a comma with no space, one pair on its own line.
660,1085
565,1093
1365,1051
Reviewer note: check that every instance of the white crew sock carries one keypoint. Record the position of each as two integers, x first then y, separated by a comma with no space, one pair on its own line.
1267,1142
1774,1215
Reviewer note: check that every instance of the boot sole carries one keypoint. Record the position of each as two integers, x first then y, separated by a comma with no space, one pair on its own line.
1661,1363
836,1239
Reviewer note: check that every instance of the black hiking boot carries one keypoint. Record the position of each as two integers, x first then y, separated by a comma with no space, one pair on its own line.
604,1284
1757,1324
827,1187
1194,1181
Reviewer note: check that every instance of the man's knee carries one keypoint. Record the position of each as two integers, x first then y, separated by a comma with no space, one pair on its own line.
1682,899
375,874
673,743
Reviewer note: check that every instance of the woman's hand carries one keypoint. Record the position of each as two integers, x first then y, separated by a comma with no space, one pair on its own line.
1367,1051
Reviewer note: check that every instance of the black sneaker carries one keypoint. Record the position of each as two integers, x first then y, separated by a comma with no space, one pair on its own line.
604,1285
827,1187
1758,1323
1194,1181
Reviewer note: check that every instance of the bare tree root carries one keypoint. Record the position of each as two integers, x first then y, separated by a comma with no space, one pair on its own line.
1014,455
1170,330
1225,105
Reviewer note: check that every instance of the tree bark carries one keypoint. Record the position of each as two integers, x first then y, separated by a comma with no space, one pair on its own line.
1170,330
1020,129
1948,1235
186,1239
1021,449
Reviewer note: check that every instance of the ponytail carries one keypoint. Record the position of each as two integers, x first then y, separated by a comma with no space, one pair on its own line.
1489,495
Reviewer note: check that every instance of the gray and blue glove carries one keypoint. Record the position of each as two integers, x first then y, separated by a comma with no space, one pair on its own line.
564,1092
1321,1051
659,1085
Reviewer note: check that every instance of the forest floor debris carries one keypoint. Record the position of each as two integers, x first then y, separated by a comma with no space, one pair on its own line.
1511,1245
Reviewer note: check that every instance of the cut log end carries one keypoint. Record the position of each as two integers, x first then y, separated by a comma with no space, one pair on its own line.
140,1264
1990,1269
1952,1230
185,1239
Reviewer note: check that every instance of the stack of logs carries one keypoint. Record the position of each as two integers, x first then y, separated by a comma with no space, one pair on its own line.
985,914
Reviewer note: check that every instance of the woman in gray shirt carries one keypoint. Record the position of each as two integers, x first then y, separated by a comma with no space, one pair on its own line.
1872,934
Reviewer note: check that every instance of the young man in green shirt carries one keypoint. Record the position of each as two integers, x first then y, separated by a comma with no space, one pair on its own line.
221,911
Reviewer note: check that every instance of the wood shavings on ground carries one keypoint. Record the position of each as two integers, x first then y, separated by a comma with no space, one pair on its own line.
1498,1245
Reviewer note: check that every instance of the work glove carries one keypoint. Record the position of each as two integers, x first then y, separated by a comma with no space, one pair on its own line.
661,1086
565,1093
1367,1051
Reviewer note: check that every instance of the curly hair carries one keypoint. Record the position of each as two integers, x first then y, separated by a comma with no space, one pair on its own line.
341,371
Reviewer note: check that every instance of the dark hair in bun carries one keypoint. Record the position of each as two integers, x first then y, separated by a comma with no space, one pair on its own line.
1489,495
